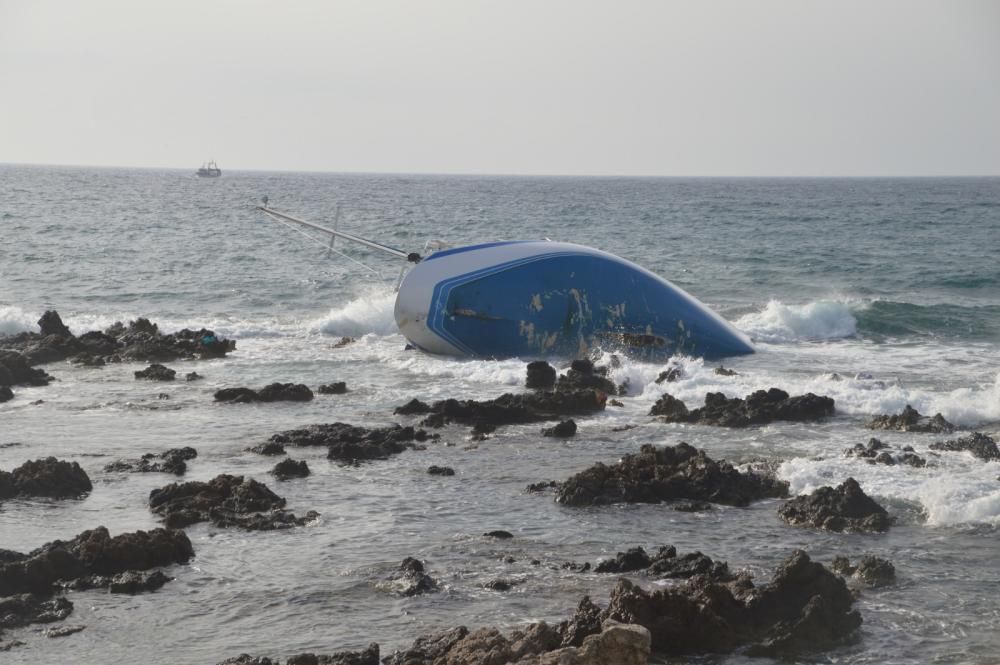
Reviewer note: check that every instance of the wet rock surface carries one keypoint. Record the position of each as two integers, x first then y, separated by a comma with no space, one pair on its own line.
876,452
269,448
541,375
980,445
441,471
274,392
840,509
156,372
368,656
15,370
171,461
758,408
871,571
140,341
582,375
336,388
225,501
410,579
665,564
130,582
349,443
47,477
511,409
667,473
910,420
289,468
563,430
6,394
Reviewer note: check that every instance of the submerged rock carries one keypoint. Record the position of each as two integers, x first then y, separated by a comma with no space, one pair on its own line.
156,372
563,430
349,443
667,473
410,579
872,571
28,608
910,420
759,408
876,452
289,468
441,471
275,392
269,448
511,409
225,501
171,461
47,477
844,508
336,388
980,445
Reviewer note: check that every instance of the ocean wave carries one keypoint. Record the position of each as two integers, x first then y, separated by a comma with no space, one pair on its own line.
885,318
372,313
14,320
816,321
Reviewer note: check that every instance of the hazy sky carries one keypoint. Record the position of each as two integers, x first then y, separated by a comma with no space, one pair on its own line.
545,87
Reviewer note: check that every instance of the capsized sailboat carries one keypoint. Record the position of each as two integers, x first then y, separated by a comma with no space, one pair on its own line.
531,298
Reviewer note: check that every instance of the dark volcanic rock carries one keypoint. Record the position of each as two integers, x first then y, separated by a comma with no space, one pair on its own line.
910,420
27,608
669,407
349,443
667,473
369,656
625,562
499,534
225,501
45,477
980,445
6,394
51,324
16,370
582,375
441,471
670,375
156,372
336,388
722,371
877,452
666,564
759,408
193,376
510,409
413,407
410,579
846,508
275,392
92,552
871,571
541,375
269,448
129,582
500,585
804,608
289,468
172,461
563,430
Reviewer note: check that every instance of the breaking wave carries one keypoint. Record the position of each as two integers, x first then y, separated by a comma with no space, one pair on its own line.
371,313
781,323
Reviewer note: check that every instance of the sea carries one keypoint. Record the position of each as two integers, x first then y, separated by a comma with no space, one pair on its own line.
876,292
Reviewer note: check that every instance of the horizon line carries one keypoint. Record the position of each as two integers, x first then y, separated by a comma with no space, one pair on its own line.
486,174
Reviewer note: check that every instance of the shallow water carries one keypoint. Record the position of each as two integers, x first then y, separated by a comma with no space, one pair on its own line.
879,293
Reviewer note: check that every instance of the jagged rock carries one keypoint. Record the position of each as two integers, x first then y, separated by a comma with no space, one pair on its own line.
759,408
51,324
275,392
872,571
269,448
509,409
410,579
173,461
289,468
428,649
156,372
910,420
804,608
336,388
499,534
722,371
413,407
225,501
92,552
563,430
349,443
583,375
877,452
625,562
542,486
670,375
27,608
667,473
541,375
369,656
669,407
441,471
665,564
47,477
15,370
128,582
977,443
844,508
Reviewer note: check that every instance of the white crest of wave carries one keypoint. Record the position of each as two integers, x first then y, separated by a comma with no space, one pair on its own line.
781,323
15,320
371,313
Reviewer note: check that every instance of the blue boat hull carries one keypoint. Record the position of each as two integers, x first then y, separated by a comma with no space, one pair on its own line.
529,299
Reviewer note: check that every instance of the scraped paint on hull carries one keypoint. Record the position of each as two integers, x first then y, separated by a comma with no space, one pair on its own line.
539,298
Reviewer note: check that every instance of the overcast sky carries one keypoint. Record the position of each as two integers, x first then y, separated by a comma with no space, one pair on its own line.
541,87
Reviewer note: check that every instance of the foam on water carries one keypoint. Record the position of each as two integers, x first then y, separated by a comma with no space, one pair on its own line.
371,313
781,323
15,320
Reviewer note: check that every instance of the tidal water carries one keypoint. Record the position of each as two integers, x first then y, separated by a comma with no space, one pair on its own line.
876,292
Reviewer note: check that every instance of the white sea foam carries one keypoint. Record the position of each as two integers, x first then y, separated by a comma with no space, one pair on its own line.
371,313
15,320
780,323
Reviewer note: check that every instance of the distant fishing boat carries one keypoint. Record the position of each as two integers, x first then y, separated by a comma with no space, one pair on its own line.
209,170
532,298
